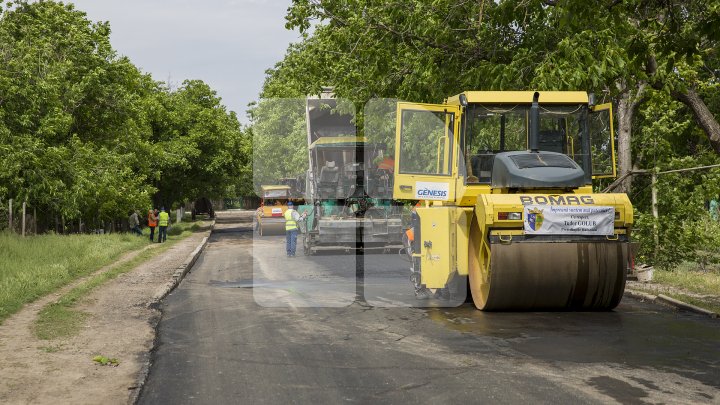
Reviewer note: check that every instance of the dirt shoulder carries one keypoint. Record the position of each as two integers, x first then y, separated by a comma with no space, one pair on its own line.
119,324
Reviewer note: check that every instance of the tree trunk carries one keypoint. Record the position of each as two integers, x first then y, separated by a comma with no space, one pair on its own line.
703,116
628,103
624,118
690,98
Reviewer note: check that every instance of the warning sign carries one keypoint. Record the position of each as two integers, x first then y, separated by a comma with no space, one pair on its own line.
569,220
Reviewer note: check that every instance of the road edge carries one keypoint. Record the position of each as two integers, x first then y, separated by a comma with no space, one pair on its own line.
179,274
154,304
664,299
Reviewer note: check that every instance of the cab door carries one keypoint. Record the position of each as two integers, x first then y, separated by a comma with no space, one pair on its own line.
602,142
425,144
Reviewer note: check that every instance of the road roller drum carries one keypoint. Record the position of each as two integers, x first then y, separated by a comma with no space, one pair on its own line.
551,276
271,226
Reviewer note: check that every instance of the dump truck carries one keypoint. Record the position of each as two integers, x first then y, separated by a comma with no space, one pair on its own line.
505,181
348,192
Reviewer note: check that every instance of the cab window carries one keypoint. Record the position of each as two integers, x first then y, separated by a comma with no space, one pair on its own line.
501,128
426,142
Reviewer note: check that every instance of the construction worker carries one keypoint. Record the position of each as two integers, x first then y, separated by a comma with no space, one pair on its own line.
163,222
291,228
388,163
152,220
134,223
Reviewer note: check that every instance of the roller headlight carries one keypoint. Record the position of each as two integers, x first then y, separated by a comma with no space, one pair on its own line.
509,216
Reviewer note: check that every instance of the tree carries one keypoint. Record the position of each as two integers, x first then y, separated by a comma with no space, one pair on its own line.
86,136
638,54
279,134
68,107
197,144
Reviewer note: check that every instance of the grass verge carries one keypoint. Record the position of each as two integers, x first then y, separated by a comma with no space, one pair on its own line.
32,267
711,305
688,277
687,283
62,319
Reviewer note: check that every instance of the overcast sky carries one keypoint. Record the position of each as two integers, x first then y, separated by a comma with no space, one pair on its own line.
227,43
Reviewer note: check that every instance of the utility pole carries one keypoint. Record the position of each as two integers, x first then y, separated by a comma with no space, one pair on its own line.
656,234
10,216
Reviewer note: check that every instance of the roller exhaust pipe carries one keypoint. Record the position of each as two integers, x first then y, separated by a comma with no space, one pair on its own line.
535,124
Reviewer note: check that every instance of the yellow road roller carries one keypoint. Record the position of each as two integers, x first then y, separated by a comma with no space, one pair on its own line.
269,217
505,184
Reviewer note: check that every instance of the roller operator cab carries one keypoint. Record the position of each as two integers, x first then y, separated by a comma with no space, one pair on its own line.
506,184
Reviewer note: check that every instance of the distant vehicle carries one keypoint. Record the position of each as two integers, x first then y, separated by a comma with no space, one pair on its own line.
270,216
202,205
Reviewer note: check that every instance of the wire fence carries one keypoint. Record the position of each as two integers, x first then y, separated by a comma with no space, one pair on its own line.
17,217
23,218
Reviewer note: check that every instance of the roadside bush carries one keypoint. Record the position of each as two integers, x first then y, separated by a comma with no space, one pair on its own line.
175,230
681,240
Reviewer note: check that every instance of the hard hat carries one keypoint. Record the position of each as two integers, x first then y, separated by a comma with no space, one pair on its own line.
290,204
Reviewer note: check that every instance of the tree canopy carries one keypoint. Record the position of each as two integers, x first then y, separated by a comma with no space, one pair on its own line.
85,135
657,61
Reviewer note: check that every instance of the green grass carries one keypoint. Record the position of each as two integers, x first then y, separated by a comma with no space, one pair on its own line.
61,318
687,283
712,305
51,349
31,268
688,277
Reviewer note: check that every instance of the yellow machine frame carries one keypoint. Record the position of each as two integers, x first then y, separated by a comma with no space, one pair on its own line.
456,230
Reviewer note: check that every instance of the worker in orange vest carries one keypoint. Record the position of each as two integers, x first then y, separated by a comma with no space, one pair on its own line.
152,219
388,163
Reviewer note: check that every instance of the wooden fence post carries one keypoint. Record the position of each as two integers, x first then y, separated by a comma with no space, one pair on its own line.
23,218
10,216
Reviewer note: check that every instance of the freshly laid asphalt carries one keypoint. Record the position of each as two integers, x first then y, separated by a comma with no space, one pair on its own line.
249,325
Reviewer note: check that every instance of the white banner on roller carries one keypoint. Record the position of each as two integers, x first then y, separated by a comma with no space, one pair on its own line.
569,220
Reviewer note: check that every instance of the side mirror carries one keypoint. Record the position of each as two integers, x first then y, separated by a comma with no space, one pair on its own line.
463,100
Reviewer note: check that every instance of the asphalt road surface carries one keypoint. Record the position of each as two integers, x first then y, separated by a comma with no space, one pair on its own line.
249,325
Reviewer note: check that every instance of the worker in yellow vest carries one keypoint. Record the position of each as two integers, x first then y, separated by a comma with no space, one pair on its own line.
163,223
291,228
